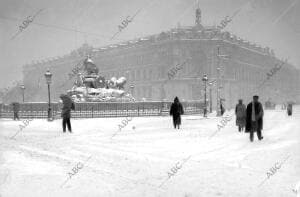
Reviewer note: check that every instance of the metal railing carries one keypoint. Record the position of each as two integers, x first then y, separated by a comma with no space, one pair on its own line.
100,110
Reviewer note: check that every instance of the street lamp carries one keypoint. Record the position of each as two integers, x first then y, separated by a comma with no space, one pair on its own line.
218,93
219,57
48,77
23,91
210,96
205,79
131,88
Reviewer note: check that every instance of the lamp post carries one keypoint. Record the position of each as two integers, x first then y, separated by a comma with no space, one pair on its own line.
219,57
23,91
210,96
131,88
48,76
205,79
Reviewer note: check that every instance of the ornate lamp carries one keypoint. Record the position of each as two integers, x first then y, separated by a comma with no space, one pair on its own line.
205,79
48,76
22,87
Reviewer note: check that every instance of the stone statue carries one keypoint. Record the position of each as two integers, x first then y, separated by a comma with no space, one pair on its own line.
89,66
90,86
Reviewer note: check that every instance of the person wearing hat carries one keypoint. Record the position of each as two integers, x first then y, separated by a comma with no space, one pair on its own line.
254,118
240,112
68,105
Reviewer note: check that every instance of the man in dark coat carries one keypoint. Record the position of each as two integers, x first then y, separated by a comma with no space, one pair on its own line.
289,109
16,108
254,118
222,107
176,111
68,104
240,112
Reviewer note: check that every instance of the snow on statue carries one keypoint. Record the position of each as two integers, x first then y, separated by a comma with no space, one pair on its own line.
89,86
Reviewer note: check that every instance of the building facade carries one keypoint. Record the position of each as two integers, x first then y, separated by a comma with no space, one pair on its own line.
236,68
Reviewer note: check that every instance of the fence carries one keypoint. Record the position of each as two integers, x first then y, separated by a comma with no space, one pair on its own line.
100,110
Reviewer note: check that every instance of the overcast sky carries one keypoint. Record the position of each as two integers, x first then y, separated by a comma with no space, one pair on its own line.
272,23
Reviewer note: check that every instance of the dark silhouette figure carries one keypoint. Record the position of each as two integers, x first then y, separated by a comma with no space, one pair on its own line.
222,107
176,111
240,112
289,109
254,118
16,108
68,105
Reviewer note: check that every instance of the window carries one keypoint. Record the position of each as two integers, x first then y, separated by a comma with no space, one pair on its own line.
150,74
127,74
144,91
162,73
133,75
176,51
150,92
138,91
139,59
138,76
145,74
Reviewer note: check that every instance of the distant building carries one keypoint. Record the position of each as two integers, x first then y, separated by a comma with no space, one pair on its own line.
145,63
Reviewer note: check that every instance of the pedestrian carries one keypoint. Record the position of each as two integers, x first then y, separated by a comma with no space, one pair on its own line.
240,112
222,107
68,105
289,109
16,108
176,111
254,118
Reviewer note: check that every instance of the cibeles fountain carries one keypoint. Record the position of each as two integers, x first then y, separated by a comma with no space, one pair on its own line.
90,86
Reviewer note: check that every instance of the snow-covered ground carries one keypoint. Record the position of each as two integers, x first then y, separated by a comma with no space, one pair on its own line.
137,161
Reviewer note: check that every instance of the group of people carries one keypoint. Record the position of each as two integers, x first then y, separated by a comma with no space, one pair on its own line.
176,110
250,117
68,105
288,107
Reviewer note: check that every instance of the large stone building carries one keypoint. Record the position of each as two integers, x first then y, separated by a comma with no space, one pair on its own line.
145,62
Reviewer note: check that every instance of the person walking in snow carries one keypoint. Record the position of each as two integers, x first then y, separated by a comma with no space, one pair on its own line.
222,107
289,109
68,105
254,118
240,112
16,108
176,111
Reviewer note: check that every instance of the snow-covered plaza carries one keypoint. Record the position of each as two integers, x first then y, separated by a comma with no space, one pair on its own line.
138,161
